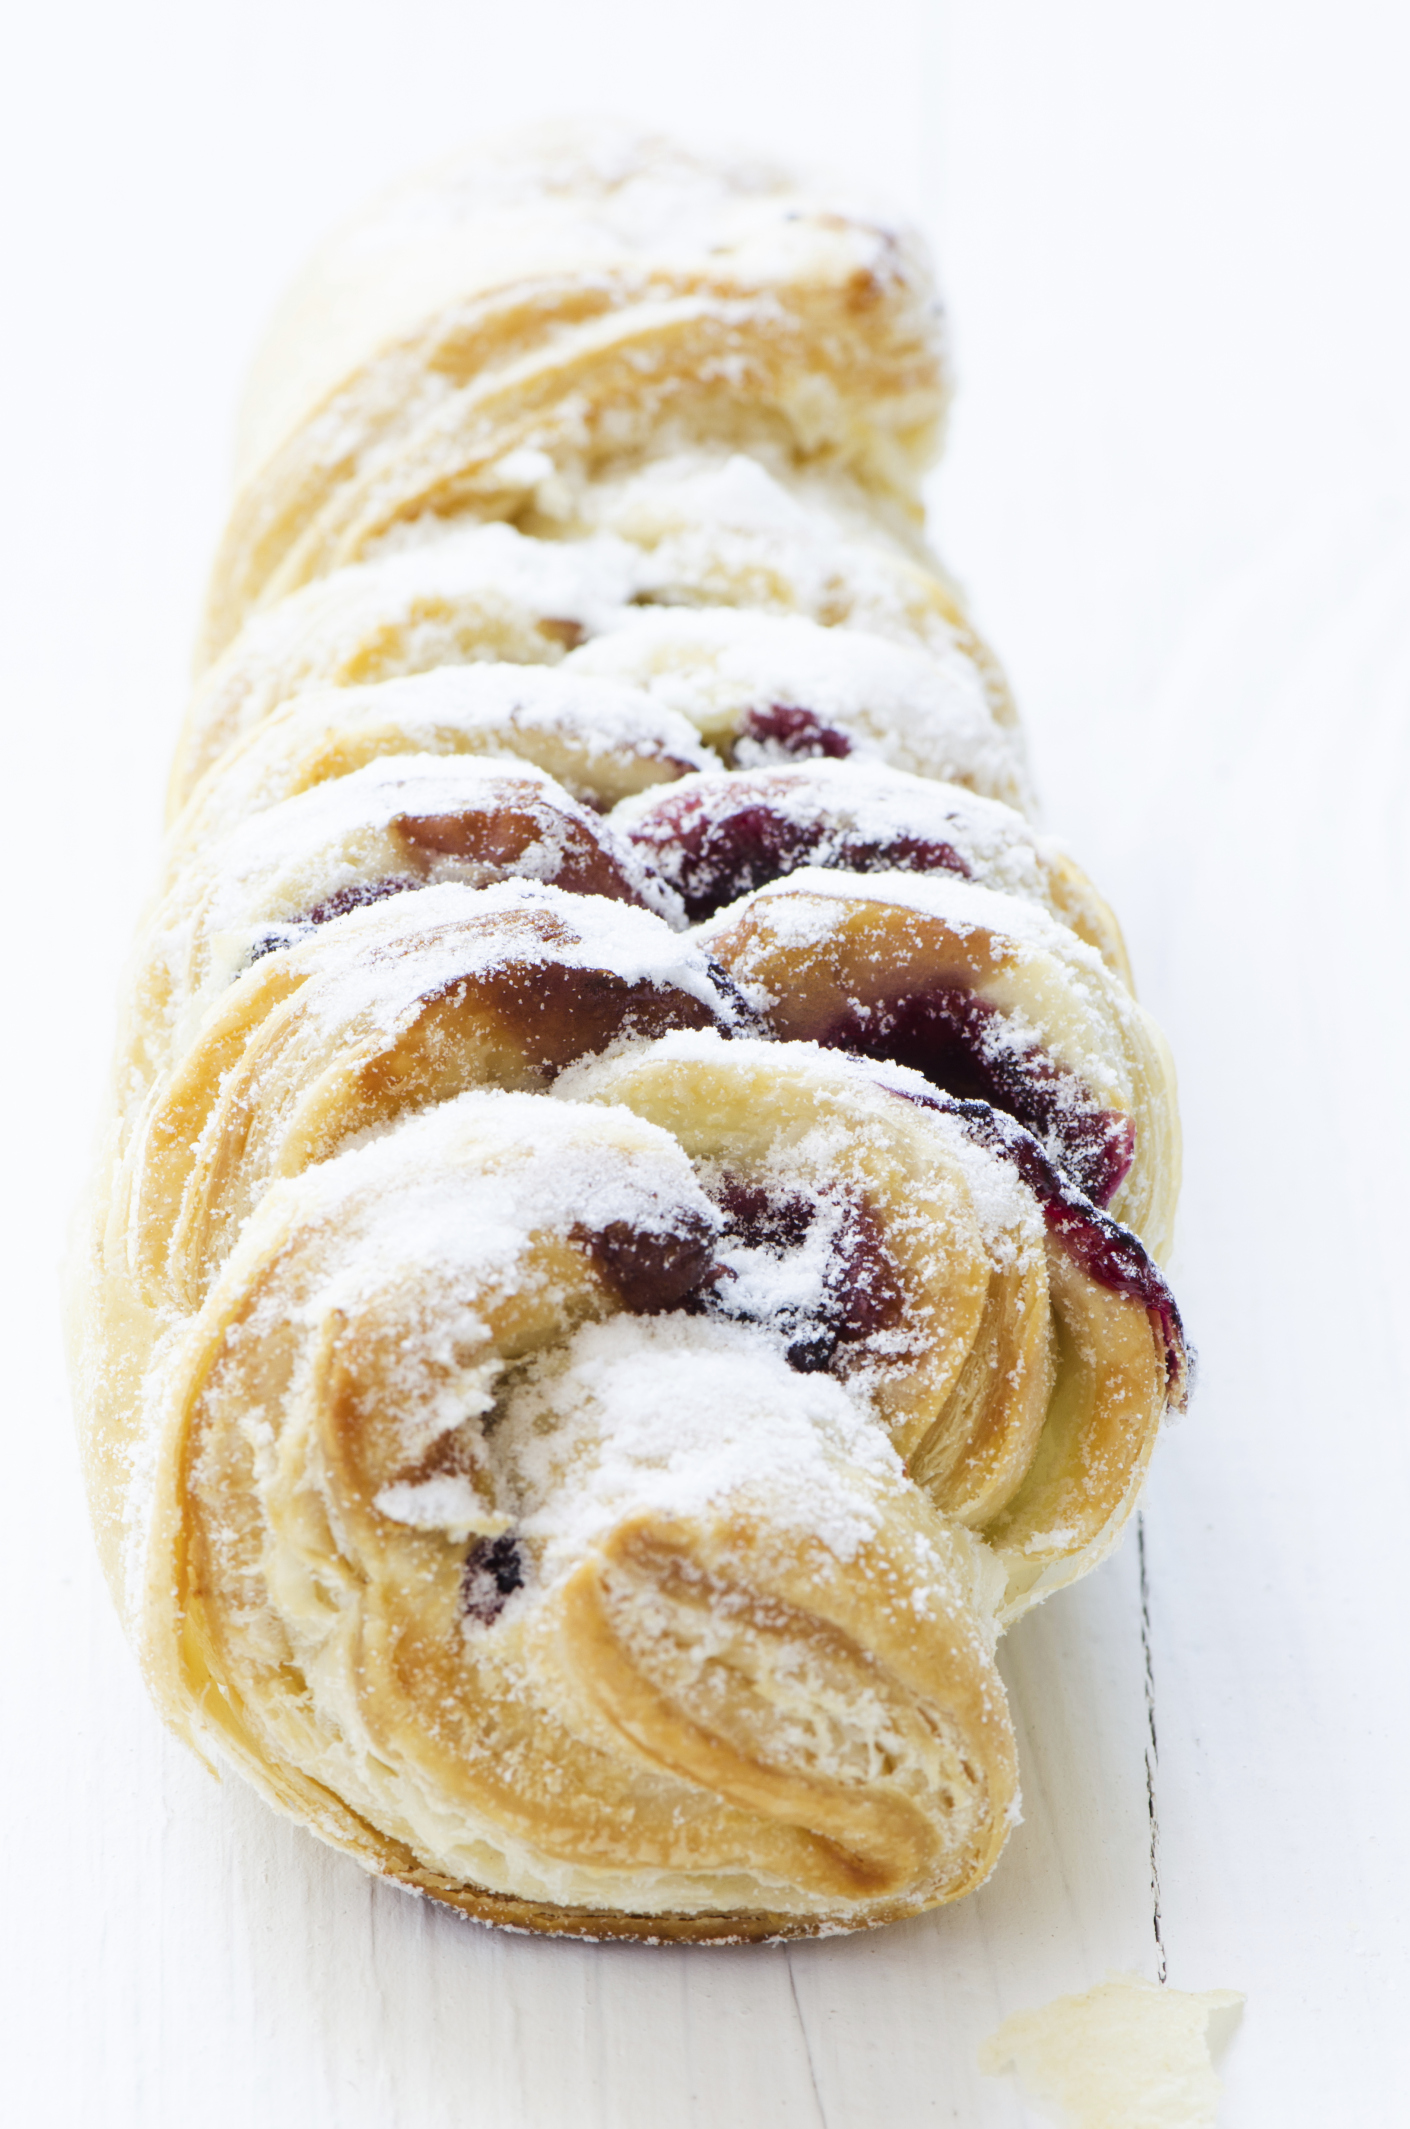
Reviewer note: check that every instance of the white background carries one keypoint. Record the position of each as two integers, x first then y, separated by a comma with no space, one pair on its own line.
1174,243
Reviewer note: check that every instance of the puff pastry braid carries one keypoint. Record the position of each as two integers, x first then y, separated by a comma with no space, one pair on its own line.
626,1249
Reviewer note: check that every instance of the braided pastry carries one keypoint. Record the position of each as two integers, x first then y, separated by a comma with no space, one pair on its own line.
626,1245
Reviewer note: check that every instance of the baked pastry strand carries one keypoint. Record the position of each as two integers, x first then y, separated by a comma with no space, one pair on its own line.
984,995
715,838
399,823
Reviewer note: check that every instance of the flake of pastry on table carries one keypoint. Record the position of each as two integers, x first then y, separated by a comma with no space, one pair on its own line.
627,1244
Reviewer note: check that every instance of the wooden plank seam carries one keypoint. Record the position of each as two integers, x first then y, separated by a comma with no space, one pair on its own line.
1152,1748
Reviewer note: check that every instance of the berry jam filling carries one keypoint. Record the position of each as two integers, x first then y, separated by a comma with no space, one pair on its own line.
1107,1253
962,1044
653,1271
815,1269
714,846
355,896
782,733
493,1571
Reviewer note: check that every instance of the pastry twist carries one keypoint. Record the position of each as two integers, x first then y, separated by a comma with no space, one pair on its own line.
626,1246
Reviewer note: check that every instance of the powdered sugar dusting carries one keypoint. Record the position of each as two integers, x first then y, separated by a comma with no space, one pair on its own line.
276,866
448,1502
959,904
1007,1211
923,710
684,1417
383,961
444,1210
714,836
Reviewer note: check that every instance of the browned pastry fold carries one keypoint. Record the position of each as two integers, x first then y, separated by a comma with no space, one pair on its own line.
1025,1392
534,1515
602,743
760,318
400,823
492,1565
986,996
619,602
399,1004
715,838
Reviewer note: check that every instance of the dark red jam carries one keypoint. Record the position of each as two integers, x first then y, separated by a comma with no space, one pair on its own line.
651,1271
783,733
493,1571
357,895
959,1042
860,1289
717,841
1109,1254
686,1264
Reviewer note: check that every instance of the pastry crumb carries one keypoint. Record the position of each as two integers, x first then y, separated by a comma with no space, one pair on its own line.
1126,2055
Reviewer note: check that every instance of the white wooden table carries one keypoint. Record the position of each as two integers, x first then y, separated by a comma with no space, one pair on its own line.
1179,487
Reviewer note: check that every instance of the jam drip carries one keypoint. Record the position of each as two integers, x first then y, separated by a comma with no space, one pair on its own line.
815,1269
784,733
716,844
962,1044
1107,1253
493,1571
